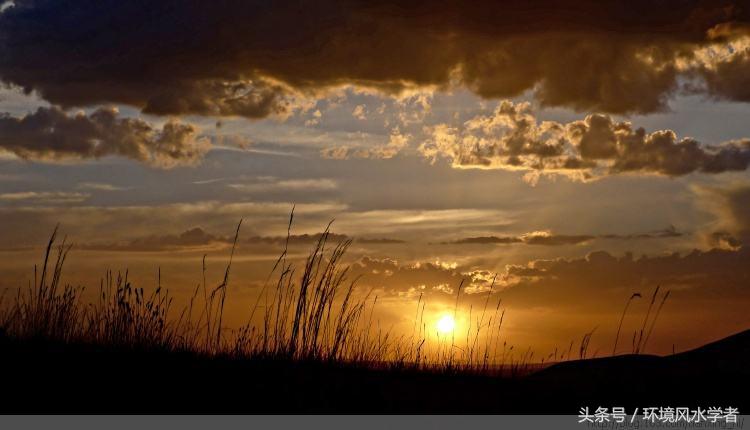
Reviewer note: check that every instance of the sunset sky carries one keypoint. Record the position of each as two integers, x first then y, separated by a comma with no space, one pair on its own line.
582,151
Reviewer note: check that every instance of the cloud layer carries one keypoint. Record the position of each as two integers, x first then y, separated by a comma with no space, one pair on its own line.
597,278
731,206
545,237
256,59
512,138
51,134
710,274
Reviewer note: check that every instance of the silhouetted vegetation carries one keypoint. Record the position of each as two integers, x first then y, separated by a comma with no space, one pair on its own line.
311,343
312,313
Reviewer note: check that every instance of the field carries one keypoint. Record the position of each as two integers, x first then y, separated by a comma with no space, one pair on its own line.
314,350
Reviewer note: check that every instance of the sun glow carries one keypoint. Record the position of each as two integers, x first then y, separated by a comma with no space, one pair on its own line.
446,324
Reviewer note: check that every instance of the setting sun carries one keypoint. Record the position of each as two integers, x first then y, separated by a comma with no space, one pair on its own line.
446,324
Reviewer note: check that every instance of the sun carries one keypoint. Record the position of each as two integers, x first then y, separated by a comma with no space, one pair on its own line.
446,324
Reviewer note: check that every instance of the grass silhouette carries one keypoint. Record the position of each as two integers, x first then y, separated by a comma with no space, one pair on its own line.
308,313
312,343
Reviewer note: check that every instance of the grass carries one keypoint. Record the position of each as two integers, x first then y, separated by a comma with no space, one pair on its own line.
640,345
622,318
313,312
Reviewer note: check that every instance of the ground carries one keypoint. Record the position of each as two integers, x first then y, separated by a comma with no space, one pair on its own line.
44,377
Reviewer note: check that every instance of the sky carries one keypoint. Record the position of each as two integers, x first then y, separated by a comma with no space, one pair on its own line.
576,152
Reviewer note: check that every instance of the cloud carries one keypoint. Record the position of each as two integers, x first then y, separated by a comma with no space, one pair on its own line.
50,134
698,274
634,150
296,239
598,278
100,186
268,184
28,223
533,238
380,240
429,278
722,70
197,237
315,118
511,138
731,207
359,112
247,98
397,142
255,59
545,237
666,233
192,238
724,240
549,239
486,240
44,197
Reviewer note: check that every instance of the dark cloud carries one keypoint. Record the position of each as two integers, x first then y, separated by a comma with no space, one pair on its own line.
485,240
550,239
535,238
708,274
380,240
248,58
724,75
600,137
306,239
295,239
511,138
599,278
51,134
250,99
669,232
724,240
544,238
195,237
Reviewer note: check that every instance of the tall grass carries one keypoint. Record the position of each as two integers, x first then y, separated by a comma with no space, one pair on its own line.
585,341
645,320
312,311
653,322
640,344
46,309
622,318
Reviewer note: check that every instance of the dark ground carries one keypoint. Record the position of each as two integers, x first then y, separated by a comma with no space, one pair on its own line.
42,377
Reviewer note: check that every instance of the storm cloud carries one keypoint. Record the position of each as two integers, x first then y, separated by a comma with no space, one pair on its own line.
254,59
50,134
